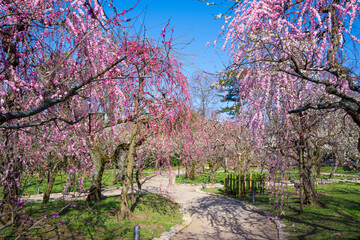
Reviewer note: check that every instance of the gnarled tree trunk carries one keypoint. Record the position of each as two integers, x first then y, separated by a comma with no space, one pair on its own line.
99,162
53,173
11,168
10,162
307,185
213,168
125,209
334,169
192,174
138,183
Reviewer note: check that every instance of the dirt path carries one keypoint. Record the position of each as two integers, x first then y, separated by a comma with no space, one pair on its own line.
213,217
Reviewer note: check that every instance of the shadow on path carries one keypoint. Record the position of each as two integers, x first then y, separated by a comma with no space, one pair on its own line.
221,218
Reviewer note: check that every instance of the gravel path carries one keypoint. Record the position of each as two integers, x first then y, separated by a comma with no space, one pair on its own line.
213,217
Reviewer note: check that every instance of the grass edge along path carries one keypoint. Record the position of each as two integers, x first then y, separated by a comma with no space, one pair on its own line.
336,216
154,213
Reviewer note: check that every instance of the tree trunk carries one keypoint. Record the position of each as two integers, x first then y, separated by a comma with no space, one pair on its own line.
316,161
11,169
99,162
138,183
309,186
125,209
192,174
318,170
121,167
42,173
333,170
312,171
10,162
52,176
213,169
301,171
132,182
212,176
307,183
118,159
114,168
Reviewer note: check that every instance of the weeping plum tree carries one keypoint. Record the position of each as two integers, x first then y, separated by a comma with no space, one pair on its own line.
306,42
56,54
154,100
291,57
214,143
51,53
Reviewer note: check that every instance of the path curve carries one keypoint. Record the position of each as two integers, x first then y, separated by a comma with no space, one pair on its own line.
213,217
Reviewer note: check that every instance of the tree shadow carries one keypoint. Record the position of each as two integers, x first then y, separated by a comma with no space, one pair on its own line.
230,217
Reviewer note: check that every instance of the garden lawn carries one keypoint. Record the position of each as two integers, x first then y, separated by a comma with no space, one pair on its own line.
336,215
220,178
294,175
348,175
32,183
154,213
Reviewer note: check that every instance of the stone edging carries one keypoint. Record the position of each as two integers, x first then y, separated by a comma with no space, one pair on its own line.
279,225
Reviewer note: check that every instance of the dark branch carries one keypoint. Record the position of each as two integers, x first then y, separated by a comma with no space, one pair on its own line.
315,107
4,117
41,123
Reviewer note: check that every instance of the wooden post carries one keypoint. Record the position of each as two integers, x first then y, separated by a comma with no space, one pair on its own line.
234,179
225,182
250,182
230,184
253,193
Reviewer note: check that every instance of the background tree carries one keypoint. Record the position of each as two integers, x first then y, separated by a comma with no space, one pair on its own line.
303,42
155,96
47,51
204,92
289,58
57,54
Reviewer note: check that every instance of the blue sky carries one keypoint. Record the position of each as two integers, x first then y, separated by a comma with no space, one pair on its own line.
192,20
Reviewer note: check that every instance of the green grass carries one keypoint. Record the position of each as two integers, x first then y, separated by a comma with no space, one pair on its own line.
328,169
31,184
220,176
155,215
336,215
294,175
339,169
